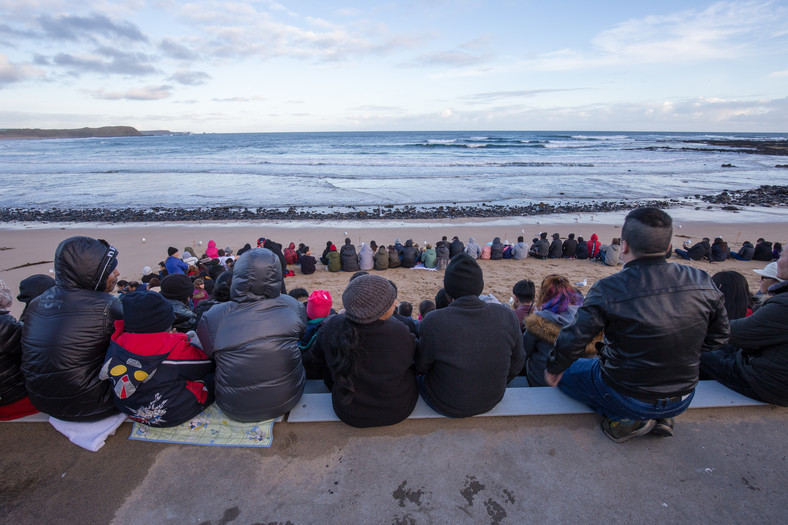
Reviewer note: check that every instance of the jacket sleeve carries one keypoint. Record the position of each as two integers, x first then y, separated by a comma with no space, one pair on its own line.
114,313
205,335
573,338
423,358
718,332
517,360
763,328
190,362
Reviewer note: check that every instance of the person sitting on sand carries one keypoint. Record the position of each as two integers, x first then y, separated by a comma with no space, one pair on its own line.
496,249
469,350
349,257
610,253
520,250
523,304
14,402
456,247
593,246
178,290
569,247
777,251
473,249
174,264
324,256
211,251
366,257
556,250
719,250
755,362
541,247
307,262
698,252
334,260
159,377
745,253
582,248
381,259
67,330
657,319
367,357
558,303
147,274
442,253
259,372
763,250
199,295
219,294
410,255
394,257
429,257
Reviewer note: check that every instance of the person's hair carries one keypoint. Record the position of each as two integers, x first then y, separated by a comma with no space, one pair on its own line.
571,236
155,281
425,307
443,238
718,240
648,231
616,240
429,246
406,309
162,265
778,246
524,290
191,269
297,293
121,283
556,294
737,294
520,238
198,281
543,235
441,299
345,343
133,284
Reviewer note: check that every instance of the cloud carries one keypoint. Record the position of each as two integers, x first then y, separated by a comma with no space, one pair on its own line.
108,61
469,53
11,73
177,51
69,27
190,78
479,98
237,99
143,93
723,31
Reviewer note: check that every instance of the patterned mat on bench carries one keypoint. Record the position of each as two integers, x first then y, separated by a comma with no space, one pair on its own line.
211,428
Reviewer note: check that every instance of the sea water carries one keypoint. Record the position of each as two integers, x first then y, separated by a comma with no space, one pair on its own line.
321,170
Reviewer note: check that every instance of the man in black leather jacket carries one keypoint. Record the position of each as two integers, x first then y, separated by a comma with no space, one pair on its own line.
67,331
657,318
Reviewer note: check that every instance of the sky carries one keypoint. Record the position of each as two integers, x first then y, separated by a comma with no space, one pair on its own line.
288,66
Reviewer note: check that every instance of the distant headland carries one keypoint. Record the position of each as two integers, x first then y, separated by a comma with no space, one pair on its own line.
81,133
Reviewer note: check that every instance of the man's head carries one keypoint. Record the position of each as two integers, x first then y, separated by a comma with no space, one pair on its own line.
90,264
463,277
543,235
172,251
647,232
520,238
405,308
524,290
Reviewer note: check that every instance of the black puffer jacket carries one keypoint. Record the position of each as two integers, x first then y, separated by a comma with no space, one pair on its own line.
254,340
185,319
763,339
410,255
657,318
496,250
349,258
66,334
12,382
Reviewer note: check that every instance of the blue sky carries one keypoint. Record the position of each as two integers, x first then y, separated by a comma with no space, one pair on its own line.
224,66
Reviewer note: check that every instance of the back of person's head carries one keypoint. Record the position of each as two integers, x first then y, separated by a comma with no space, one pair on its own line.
718,240
133,285
177,287
220,252
33,286
616,240
146,313
86,263
524,290
328,244
580,239
571,235
154,282
443,238
520,238
705,239
347,240
409,243
556,236
543,235
425,307
760,239
647,231
441,300
405,308
122,283
367,298
463,277
734,287
429,246
221,290
557,294
300,294
318,305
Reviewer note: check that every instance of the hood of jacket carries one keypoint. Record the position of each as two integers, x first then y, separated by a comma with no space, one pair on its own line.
594,237
546,326
496,240
84,263
408,243
257,275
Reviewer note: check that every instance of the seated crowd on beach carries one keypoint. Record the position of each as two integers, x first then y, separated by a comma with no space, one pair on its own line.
221,327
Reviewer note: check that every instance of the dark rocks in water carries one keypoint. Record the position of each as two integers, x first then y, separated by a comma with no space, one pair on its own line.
766,196
729,165
781,166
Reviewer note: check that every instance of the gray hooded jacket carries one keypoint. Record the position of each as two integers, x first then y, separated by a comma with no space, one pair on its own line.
254,340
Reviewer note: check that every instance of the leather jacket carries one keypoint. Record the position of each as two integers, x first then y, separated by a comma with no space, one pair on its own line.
657,318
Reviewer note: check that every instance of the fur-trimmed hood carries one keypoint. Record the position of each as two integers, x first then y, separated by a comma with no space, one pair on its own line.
547,329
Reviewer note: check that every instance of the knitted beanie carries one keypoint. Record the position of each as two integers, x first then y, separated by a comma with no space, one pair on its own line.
146,313
318,305
367,298
172,251
463,277
177,286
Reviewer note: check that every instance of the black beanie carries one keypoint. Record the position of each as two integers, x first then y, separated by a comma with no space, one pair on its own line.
367,298
172,251
177,286
463,277
146,313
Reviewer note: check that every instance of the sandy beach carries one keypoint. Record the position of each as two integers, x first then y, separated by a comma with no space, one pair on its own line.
28,249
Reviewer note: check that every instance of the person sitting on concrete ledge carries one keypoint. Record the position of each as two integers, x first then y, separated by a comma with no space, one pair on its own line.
469,350
657,319
367,357
755,363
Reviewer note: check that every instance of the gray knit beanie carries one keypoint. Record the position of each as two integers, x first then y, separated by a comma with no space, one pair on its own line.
367,298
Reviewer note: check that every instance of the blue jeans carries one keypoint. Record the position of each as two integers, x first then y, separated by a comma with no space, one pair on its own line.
583,381
683,254
739,257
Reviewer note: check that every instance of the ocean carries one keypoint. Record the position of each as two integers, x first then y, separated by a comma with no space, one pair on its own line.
327,170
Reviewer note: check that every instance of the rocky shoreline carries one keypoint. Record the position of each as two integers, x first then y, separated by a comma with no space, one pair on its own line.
730,200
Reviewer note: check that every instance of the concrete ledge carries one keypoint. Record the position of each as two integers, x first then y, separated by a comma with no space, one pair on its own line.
315,406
